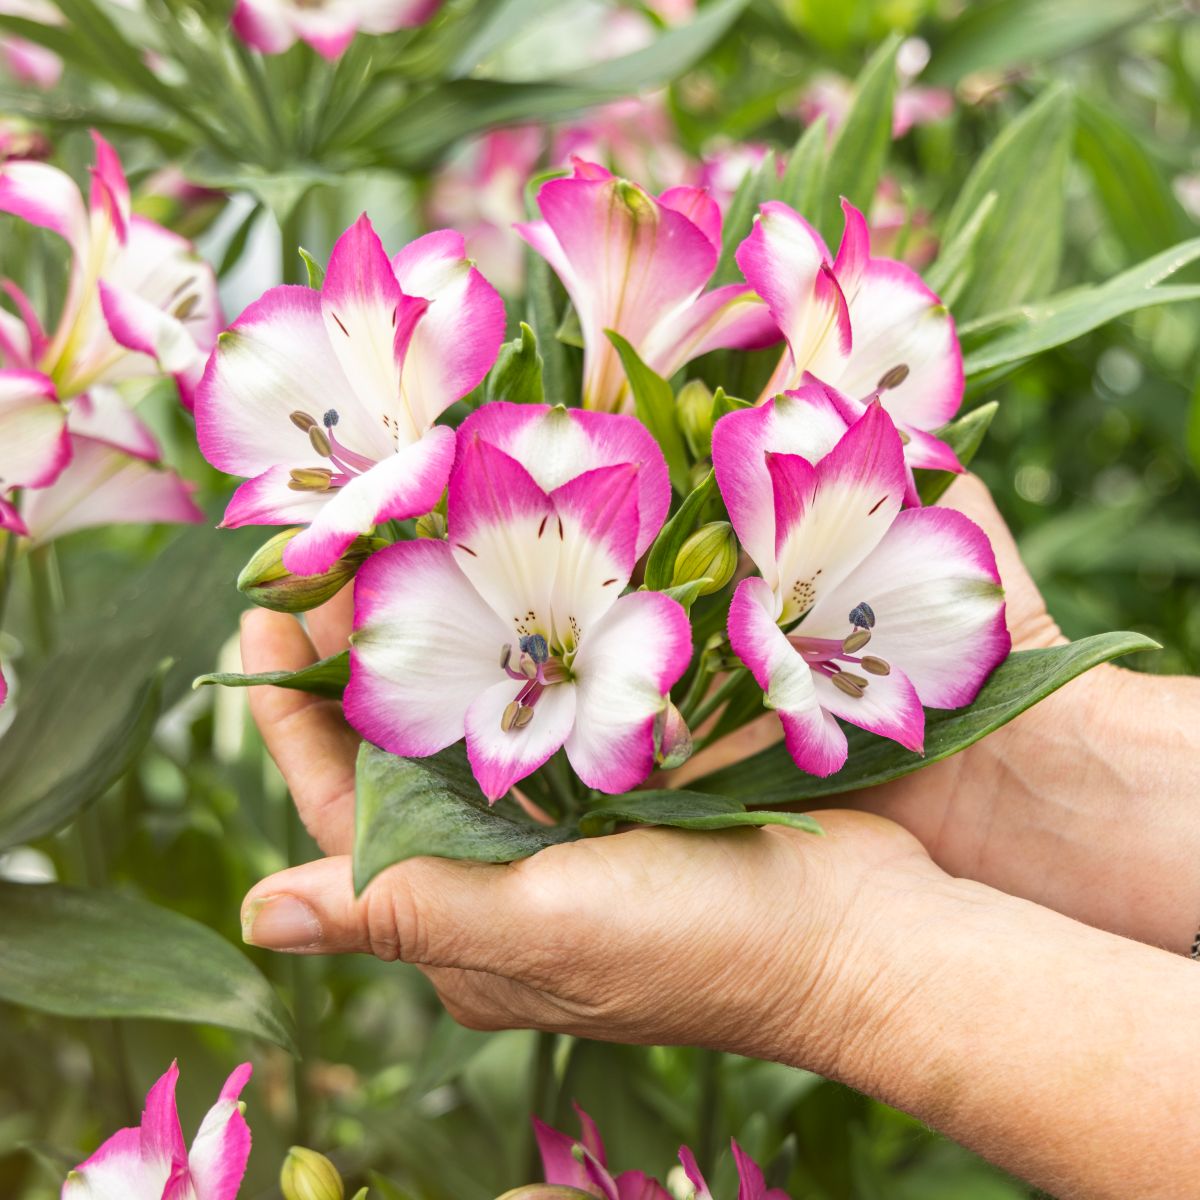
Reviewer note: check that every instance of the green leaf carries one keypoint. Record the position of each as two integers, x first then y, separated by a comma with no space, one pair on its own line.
684,810
956,263
803,182
964,436
660,563
495,26
1068,315
80,953
739,219
517,375
655,405
236,246
408,807
325,678
316,272
46,777
1018,683
996,34
1017,254
861,146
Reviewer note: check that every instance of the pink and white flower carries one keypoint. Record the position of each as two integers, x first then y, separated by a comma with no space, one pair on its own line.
140,301
843,568
751,1183
328,26
868,326
516,623
26,61
638,264
327,399
151,1161
582,1163
34,444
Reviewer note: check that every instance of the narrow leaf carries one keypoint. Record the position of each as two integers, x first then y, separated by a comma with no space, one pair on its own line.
739,219
316,272
660,563
325,678
964,436
1024,678
517,375
803,182
408,807
80,953
956,263
655,405
684,810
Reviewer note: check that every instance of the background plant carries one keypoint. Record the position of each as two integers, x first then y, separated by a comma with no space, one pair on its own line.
115,778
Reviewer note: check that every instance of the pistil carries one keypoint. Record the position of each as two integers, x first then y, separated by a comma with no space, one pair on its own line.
826,656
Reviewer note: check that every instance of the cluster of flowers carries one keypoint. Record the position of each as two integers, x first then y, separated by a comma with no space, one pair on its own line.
151,1161
508,623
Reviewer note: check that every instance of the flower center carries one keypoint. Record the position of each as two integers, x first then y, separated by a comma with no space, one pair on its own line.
325,443
826,656
536,669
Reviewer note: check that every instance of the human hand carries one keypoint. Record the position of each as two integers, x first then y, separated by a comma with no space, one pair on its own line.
588,937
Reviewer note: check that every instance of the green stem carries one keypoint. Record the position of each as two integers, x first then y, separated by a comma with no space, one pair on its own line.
562,784
708,1079
544,1093
302,976
47,595
290,263
719,697
10,566
696,689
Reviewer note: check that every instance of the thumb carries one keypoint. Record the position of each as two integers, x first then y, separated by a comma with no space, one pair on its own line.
428,911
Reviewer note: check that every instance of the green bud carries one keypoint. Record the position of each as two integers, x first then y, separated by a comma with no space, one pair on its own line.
307,1175
432,525
710,553
544,1191
672,738
694,412
266,581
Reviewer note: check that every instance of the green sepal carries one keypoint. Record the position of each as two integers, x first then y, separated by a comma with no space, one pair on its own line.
325,678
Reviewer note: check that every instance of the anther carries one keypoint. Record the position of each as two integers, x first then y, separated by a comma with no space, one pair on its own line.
527,667
310,479
862,616
330,419
857,680
893,378
904,438
509,717
856,641
505,655
186,307
302,421
523,717
875,666
535,646
843,684
320,443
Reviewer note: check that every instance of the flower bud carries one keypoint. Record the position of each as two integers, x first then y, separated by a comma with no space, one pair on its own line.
694,412
672,738
432,525
710,553
266,581
307,1175
545,1191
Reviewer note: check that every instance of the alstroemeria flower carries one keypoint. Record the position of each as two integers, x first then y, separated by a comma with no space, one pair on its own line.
583,1163
151,1161
328,26
327,399
863,612
140,301
638,264
516,623
34,446
868,326
751,1183
26,61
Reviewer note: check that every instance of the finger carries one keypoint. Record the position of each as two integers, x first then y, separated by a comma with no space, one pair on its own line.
429,911
305,734
330,624
1028,621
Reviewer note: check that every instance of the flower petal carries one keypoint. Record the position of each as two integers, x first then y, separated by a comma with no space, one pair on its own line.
268,500
558,444
425,646
34,446
263,25
109,197
161,1137
405,484
939,607
625,667
47,197
813,737
807,422
829,518
117,1171
889,706
103,415
751,1184
503,531
855,251
898,321
104,486
699,207
457,340
559,1164
692,1170
499,757
785,261
273,360
217,1159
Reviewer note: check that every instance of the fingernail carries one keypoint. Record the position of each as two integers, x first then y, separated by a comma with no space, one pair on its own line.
280,923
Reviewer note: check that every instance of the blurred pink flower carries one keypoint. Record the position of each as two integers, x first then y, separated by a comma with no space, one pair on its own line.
328,26
26,61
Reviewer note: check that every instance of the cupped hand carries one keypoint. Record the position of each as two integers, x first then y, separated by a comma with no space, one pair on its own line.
653,935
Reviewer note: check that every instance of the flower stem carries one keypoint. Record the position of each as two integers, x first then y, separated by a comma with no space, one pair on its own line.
708,1079
10,566
46,584
709,706
302,978
543,1094
696,689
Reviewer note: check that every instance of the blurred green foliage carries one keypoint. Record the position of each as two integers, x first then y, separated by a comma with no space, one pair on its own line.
1093,455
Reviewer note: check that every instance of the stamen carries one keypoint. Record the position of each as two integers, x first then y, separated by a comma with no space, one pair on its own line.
310,479
856,641
844,684
527,667
523,717
505,655
509,717
320,443
302,421
186,307
850,677
875,666
535,646
331,418
893,378
862,616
